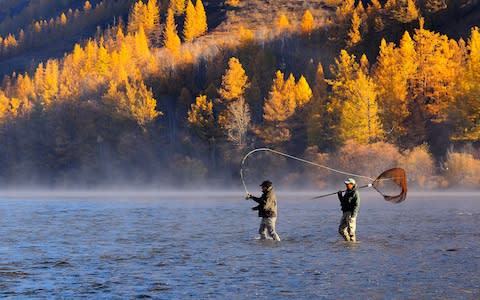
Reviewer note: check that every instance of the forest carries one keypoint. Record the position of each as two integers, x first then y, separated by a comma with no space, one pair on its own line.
174,93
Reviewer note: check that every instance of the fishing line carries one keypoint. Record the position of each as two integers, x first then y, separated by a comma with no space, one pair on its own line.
295,158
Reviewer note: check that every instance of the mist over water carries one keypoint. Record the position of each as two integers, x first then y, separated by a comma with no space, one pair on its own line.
203,245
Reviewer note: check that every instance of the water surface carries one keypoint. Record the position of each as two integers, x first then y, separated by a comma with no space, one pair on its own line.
201,246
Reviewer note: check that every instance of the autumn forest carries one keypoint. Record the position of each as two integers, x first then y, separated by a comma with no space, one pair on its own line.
175,92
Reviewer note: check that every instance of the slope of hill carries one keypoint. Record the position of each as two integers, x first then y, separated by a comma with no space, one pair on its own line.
123,106
47,29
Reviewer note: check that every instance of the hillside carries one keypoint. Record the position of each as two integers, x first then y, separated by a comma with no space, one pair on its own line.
157,92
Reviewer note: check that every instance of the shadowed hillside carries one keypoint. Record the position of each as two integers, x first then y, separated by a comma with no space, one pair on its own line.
176,92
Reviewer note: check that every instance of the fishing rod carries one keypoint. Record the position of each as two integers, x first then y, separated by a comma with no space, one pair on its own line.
294,158
397,176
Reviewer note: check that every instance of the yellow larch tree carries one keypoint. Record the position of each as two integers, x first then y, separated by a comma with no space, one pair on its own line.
37,27
434,82
189,26
178,6
201,119
466,111
201,112
141,49
201,19
276,110
63,19
308,22
390,4
25,92
393,70
282,23
345,10
50,82
90,51
359,120
303,92
364,64
235,118
38,81
405,11
344,71
102,64
234,81
354,35
4,106
360,9
171,40
135,18
140,103
120,60
152,17
146,16
281,101
412,10
289,94
375,5
132,100
119,36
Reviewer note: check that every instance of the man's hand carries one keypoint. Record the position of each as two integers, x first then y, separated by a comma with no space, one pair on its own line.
339,193
248,196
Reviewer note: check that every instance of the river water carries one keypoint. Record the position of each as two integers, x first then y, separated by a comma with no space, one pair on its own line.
204,246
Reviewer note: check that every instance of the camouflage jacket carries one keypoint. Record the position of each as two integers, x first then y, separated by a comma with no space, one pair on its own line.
267,204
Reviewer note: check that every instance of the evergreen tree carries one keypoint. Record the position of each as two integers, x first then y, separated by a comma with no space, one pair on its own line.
201,19
171,41
308,23
201,119
405,11
177,6
282,23
359,119
234,81
465,113
303,92
354,35
189,27
50,82
393,71
345,10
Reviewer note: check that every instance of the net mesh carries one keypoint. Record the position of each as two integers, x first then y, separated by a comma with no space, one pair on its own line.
392,185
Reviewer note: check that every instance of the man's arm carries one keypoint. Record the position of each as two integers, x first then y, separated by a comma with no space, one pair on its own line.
260,200
340,196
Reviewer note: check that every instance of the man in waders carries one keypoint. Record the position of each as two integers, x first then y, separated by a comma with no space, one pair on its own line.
267,210
350,203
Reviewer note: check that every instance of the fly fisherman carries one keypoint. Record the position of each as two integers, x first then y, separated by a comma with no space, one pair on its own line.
267,210
350,203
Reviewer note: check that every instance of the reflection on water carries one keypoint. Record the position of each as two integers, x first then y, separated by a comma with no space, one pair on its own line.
194,247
